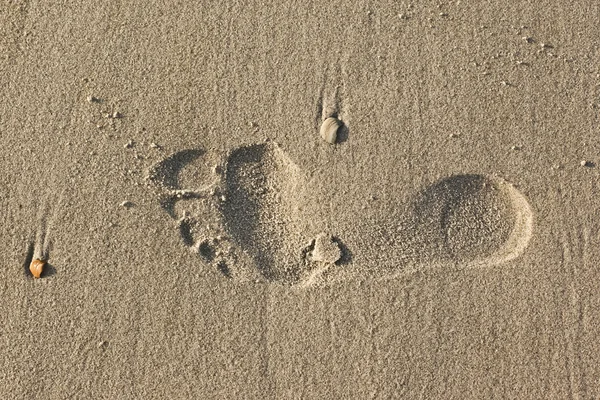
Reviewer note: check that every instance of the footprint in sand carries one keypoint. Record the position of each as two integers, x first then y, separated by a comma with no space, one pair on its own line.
246,219
467,220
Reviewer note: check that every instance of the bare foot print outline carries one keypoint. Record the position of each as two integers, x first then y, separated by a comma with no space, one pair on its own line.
246,220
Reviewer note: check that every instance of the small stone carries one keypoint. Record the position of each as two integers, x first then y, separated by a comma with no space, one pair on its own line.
116,115
154,146
528,39
37,267
586,163
92,99
183,193
129,144
326,249
127,204
515,147
329,129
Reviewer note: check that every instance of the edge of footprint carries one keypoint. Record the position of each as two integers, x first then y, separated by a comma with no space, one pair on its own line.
522,231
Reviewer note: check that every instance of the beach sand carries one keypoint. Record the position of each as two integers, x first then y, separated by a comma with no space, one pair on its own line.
204,242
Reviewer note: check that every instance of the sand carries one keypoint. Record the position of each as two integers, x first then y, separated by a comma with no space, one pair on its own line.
203,240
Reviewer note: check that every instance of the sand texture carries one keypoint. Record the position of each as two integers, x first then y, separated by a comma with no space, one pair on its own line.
207,238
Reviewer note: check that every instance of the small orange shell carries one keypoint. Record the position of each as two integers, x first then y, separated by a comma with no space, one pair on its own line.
37,267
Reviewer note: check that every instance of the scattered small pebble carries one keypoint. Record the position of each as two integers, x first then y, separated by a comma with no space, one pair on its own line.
92,99
329,129
454,135
443,14
117,114
127,204
587,163
154,146
528,39
129,144
515,147
37,267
